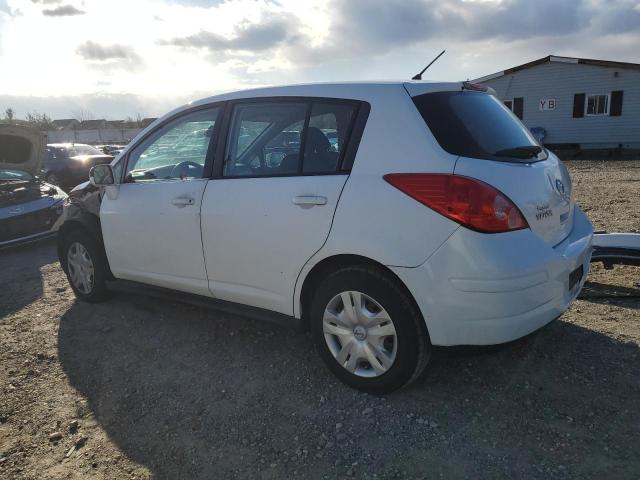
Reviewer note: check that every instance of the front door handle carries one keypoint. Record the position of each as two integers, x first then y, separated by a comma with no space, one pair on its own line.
182,202
304,200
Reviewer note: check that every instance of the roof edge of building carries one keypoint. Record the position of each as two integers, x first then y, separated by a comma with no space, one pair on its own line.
560,59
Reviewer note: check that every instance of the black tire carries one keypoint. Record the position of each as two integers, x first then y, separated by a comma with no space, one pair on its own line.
413,343
98,291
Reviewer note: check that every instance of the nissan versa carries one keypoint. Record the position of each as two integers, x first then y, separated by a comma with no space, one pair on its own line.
386,217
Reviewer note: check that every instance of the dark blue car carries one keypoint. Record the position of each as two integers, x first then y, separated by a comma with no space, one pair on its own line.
68,164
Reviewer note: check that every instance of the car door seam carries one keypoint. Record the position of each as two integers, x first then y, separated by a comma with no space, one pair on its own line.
333,216
204,253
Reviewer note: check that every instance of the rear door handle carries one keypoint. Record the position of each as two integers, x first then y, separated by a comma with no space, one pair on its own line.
309,200
181,202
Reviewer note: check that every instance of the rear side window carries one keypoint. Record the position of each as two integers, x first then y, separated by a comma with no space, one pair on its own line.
326,136
477,125
287,138
57,153
264,139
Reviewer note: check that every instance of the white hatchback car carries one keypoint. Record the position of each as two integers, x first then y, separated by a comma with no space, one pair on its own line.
387,217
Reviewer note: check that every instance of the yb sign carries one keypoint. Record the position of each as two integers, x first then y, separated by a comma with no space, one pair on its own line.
547,104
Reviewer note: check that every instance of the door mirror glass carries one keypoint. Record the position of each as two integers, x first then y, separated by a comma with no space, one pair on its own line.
101,175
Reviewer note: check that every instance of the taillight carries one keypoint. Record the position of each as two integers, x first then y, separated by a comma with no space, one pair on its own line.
470,202
476,87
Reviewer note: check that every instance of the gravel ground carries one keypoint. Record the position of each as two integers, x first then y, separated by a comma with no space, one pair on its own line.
143,388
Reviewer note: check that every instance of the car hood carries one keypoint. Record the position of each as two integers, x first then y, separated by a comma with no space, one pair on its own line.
16,193
21,148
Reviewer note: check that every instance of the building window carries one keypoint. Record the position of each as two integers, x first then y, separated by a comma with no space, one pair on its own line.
597,105
509,104
518,107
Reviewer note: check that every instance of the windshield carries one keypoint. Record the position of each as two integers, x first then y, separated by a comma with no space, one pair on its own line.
76,150
477,125
7,175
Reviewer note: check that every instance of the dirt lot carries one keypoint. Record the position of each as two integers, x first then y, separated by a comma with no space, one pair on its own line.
163,390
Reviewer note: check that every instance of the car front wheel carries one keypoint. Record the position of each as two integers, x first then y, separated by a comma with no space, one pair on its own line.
85,266
368,330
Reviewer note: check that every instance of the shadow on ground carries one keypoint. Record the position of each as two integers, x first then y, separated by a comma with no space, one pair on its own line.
598,292
18,273
192,393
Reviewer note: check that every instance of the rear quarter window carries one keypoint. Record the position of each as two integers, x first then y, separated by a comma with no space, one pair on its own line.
476,125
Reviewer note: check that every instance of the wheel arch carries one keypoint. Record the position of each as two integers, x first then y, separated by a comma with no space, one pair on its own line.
88,223
329,264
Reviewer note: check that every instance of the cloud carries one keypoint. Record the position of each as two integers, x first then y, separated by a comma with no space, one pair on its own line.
394,23
196,3
519,19
215,45
362,36
94,51
620,17
109,56
273,30
7,12
63,11
378,27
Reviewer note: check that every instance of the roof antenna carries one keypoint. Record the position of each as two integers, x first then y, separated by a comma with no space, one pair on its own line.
419,75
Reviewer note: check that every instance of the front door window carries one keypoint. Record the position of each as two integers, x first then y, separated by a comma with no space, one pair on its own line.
176,151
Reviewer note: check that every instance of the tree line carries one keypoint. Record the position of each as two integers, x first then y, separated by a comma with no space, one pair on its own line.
43,122
38,121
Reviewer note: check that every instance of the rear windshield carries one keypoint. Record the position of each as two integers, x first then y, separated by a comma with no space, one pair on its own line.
76,150
477,125
14,149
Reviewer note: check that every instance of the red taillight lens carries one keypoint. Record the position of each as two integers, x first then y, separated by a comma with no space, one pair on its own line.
470,202
476,87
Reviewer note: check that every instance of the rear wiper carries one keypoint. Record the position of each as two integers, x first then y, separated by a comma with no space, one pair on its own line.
527,151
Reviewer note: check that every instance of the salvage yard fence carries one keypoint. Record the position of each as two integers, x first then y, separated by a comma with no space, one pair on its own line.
97,136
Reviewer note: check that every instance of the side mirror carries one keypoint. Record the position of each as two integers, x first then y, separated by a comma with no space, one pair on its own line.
101,175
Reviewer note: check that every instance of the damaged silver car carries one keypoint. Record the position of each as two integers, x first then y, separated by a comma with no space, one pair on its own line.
29,208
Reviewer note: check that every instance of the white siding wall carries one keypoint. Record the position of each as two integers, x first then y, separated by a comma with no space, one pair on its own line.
561,81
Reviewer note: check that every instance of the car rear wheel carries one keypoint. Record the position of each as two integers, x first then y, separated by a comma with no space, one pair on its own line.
368,330
86,267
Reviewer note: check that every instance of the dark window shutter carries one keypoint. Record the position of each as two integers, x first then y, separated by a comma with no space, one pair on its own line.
616,104
518,107
578,105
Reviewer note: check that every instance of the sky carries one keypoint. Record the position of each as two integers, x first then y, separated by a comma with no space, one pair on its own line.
117,58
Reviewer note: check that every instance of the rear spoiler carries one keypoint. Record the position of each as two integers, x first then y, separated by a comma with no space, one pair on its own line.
420,88
616,249
478,87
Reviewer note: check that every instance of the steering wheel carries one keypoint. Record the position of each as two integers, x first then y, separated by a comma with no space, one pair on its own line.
181,169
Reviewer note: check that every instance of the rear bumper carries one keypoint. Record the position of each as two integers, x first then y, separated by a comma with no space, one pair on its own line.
479,289
616,248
